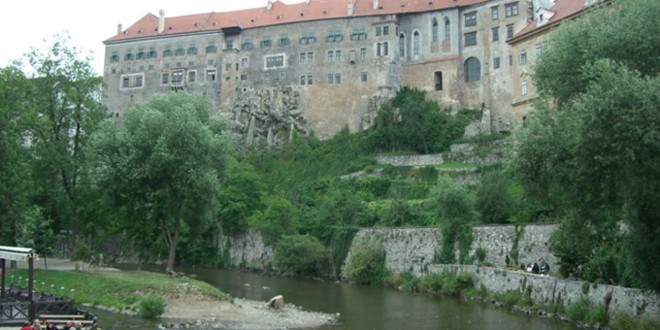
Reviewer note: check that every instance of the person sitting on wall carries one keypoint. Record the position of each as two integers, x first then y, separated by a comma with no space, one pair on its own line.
535,268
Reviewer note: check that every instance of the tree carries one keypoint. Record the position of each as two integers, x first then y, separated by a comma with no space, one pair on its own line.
66,98
162,166
301,254
592,155
279,218
15,175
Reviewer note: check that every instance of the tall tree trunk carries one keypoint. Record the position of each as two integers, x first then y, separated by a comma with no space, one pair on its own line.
171,240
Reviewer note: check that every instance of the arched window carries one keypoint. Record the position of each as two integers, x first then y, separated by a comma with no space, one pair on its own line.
472,70
435,30
402,45
417,42
447,29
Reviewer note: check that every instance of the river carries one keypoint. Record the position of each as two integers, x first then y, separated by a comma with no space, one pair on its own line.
360,307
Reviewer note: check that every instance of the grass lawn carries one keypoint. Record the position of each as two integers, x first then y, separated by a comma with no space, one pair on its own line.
119,289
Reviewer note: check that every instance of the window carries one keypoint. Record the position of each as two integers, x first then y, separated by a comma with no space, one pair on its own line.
496,63
139,80
303,58
511,9
382,49
247,44
303,80
334,36
191,64
245,62
363,76
307,38
177,77
128,57
283,40
496,33
331,78
309,79
523,57
211,49
331,56
402,45
386,30
229,44
510,60
509,31
437,77
141,55
538,49
114,58
472,70
266,43
192,50
192,76
470,39
334,78
338,56
125,82
282,76
167,52
495,13
363,53
471,19
337,78
359,34
152,53
417,43
274,61
310,57
523,87
165,78
447,29
244,77
435,33
211,75
179,51
379,31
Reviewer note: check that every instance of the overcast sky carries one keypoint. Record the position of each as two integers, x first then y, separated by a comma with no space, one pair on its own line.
24,24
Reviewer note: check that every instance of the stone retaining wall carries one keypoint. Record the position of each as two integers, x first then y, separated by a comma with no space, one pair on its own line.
546,290
246,250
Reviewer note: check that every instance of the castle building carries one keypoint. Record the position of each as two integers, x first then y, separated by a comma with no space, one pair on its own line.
528,44
322,65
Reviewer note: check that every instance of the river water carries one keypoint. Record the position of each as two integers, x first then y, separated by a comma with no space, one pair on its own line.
360,307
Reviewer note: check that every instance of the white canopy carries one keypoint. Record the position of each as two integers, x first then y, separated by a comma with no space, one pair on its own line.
16,253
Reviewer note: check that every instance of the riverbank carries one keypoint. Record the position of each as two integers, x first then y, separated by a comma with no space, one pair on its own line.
189,303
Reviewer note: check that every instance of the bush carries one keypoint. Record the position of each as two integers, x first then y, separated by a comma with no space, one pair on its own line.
578,310
597,314
301,254
152,306
367,263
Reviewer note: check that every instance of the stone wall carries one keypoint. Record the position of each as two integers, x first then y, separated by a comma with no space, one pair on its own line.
246,250
546,290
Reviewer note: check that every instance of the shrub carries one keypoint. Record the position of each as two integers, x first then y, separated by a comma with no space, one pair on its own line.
623,321
152,306
597,314
367,263
578,310
302,255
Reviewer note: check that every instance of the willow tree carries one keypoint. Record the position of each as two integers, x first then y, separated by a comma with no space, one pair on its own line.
161,166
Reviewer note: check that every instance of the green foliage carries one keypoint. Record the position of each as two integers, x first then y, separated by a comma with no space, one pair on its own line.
454,206
152,306
366,264
279,218
412,123
494,201
162,167
591,157
582,310
623,321
240,196
340,244
302,255
597,314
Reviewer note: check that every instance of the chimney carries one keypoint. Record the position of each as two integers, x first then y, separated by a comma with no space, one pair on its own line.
161,21
375,4
269,6
119,28
350,8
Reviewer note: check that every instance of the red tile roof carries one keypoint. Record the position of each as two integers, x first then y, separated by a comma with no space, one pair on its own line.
562,8
280,13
